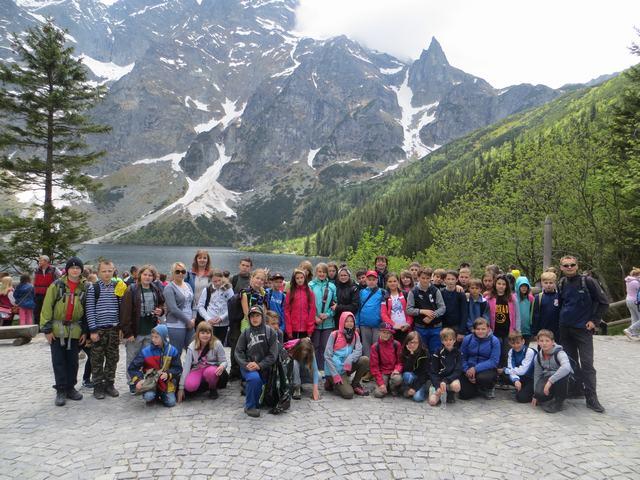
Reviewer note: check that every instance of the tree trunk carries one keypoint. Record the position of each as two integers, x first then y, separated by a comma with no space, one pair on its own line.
47,216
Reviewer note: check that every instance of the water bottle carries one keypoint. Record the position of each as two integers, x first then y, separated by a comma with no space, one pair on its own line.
443,400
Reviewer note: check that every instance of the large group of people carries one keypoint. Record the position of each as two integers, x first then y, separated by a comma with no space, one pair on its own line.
424,334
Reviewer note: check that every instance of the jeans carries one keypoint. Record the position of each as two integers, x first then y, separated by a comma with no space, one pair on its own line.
368,336
634,310
167,399
421,394
558,389
253,388
430,338
484,380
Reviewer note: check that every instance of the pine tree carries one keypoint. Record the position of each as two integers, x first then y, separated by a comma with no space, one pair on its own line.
43,102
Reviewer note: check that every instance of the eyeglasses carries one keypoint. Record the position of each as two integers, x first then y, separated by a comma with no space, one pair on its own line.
569,265
183,272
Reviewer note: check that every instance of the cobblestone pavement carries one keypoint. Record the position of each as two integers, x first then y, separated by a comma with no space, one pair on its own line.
333,438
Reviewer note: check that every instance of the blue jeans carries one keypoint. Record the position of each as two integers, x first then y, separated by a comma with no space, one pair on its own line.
421,393
430,338
167,399
180,338
253,388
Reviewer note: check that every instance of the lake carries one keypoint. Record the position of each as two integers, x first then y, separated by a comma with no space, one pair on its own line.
123,256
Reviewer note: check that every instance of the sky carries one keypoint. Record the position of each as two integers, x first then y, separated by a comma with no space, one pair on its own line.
505,42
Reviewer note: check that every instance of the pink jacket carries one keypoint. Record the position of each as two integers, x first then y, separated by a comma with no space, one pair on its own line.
385,311
514,313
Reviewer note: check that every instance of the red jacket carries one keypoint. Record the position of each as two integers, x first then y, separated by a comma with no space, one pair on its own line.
42,280
385,311
387,361
300,315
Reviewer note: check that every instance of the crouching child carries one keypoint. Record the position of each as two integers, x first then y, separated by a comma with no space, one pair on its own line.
415,370
446,369
386,363
551,374
520,364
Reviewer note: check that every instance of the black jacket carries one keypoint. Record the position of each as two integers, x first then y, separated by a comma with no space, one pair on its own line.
446,366
347,298
418,364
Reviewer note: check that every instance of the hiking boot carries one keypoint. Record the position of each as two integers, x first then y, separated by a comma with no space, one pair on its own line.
213,394
451,397
328,385
360,391
252,412
61,398
87,384
297,394
111,390
73,394
594,404
489,393
553,406
98,392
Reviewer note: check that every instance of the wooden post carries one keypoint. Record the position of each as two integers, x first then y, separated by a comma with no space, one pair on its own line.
546,256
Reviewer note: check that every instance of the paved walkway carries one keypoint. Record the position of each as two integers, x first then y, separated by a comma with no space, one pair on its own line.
362,438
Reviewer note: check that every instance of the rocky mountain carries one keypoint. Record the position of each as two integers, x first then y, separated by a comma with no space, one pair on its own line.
225,120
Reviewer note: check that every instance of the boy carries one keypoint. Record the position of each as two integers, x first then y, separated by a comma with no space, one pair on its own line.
361,277
464,275
519,370
546,309
381,270
385,363
240,281
62,321
369,316
159,356
456,311
414,268
477,305
480,356
276,297
256,352
551,374
437,278
446,368
426,306
103,317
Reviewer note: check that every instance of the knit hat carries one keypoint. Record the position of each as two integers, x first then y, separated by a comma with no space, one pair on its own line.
74,262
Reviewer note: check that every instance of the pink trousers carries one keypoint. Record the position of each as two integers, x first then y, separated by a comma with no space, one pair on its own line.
26,316
195,377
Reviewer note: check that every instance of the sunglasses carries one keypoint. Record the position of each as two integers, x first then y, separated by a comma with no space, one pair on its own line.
569,265
183,272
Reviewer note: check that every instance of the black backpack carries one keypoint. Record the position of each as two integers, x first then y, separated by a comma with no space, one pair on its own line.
234,307
199,318
276,392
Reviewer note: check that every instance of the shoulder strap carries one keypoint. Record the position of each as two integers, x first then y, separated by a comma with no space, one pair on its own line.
96,293
371,293
208,299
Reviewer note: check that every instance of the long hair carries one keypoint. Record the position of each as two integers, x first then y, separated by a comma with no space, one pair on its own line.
5,285
143,269
412,336
294,286
194,265
205,327
390,276
507,290
303,352
307,267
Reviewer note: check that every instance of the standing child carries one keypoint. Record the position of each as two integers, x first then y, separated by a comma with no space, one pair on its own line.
361,277
455,301
415,368
300,307
276,297
520,367
382,263
427,307
6,300
254,295
476,303
332,272
386,363
503,314
369,316
212,305
446,369
464,275
347,294
480,357
24,297
437,278
241,280
406,281
394,309
414,268
488,282
525,307
551,374
325,296
546,307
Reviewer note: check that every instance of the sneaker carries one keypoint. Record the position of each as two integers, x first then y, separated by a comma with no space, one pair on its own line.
132,389
73,394
252,412
594,404
213,394
111,390
328,385
98,392
87,384
297,394
630,335
61,398
360,391
553,406
489,393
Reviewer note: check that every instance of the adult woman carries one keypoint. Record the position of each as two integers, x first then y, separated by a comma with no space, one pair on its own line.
178,297
198,278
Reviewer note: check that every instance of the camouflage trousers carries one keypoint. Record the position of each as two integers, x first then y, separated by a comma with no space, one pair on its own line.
105,354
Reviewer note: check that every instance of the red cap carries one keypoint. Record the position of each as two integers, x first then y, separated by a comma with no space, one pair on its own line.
372,273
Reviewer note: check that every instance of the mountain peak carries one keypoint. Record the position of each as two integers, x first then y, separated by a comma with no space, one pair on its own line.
434,55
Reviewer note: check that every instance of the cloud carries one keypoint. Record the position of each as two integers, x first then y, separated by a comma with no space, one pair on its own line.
503,41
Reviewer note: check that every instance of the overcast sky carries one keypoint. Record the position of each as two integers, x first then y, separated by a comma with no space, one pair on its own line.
503,41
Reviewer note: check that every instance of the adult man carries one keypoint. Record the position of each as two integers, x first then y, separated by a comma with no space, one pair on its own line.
43,276
582,306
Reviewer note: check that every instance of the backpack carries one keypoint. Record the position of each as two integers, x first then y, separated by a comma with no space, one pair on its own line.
574,366
199,318
234,307
396,344
61,288
563,281
276,392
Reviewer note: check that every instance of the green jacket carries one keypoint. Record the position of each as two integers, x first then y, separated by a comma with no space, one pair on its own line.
54,310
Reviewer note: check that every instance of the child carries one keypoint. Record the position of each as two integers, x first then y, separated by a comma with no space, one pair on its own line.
369,316
406,281
342,357
488,282
212,305
464,275
307,267
477,305
361,277
7,301
414,268
332,272
256,352
382,262
386,363
415,368
159,356
551,374
427,307
503,314
480,357
525,306
204,363
241,280
546,308
303,355
456,311
276,297
300,307
446,369
394,309
520,367
24,297
347,294
325,296
437,278
254,295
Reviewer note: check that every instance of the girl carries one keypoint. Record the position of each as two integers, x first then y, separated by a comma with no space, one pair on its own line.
332,274
205,361
7,301
633,285
394,309
325,296
299,307
307,267
415,361
178,297
503,315
525,307
212,304
302,353
488,281
480,356
199,277
406,281
347,294
25,299
254,295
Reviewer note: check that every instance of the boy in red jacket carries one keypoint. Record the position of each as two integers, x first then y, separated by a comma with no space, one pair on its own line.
385,363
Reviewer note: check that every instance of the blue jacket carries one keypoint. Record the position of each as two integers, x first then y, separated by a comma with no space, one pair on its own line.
318,288
24,296
369,313
455,315
546,313
482,353
581,300
275,302
525,305
476,309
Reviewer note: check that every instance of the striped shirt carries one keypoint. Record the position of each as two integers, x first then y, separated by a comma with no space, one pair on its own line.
105,312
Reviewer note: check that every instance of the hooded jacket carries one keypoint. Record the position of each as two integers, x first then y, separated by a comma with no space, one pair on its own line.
548,369
385,358
300,311
325,296
446,366
215,357
339,356
481,353
514,313
217,307
257,344
54,310
24,296
525,306
347,298
152,357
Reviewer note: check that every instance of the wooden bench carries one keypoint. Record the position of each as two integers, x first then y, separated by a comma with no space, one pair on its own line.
21,333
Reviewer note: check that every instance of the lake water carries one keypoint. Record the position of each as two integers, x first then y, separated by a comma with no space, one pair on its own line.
124,256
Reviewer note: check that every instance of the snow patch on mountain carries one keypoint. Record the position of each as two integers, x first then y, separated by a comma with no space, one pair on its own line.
391,71
231,113
108,71
199,105
174,158
311,155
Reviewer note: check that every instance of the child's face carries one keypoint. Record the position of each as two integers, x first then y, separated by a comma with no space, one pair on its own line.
474,291
273,323
106,272
244,267
407,282
277,283
436,279
349,322
546,344
372,281
424,280
392,283
524,289
257,282
464,277
517,344
332,271
481,331
321,274
413,345
448,343
362,280
450,281
217,282
549,286
414,272
74,272
146,277
385,335
300,279
488,283
255,319
204,336
202,260
501,286
156,339
343,276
